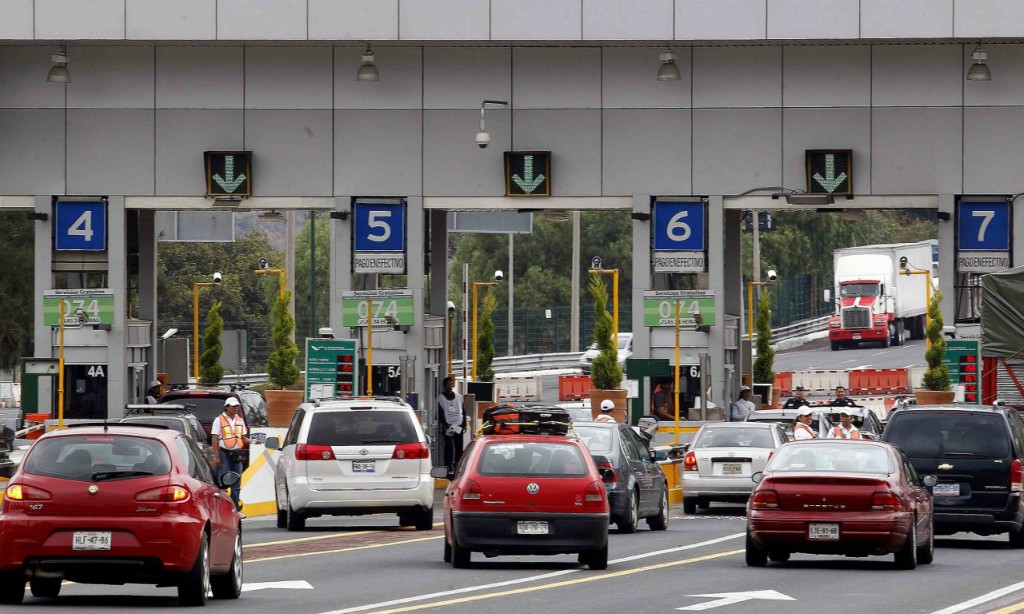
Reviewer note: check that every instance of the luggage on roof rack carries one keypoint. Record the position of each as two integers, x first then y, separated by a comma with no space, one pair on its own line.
507,419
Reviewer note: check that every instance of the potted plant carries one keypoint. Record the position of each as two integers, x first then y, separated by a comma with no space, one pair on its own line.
762,371
281,367
936,376
210,369
605,372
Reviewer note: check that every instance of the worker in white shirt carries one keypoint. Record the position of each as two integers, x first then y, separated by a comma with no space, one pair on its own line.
845,429
607,406
802,427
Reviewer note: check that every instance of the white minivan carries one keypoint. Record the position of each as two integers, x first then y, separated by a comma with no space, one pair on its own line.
344,457
625,351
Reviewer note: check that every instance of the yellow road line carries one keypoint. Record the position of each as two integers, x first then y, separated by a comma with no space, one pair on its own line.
541,587
351,549
1017,607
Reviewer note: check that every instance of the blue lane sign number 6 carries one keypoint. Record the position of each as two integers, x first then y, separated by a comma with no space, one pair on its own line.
679,226
80,226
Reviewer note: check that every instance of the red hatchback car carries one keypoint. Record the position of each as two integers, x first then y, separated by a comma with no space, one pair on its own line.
526,494
855,498
119,504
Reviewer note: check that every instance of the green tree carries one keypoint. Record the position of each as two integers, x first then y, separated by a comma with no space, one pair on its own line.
605,372
210,369
281,363
485,339
16,304
763,364
936,375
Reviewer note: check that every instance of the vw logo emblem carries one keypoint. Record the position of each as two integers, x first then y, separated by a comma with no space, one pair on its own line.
533,488
364,451
93,489
732,454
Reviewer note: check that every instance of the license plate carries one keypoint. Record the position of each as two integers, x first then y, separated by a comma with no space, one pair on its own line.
91,540
532,527
362,466
856,335
946,490
732,468
820,530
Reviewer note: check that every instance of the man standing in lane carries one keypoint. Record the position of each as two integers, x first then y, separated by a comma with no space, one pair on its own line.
451,423
841,399
797,400
230,443
845,429
802,427
743,406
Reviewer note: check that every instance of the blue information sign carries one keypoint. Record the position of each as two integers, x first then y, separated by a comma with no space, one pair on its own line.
983,226
379,227
679,226
80,226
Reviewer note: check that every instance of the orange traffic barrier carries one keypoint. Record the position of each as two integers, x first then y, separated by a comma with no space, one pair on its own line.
37,418
784,382
574,387
874,381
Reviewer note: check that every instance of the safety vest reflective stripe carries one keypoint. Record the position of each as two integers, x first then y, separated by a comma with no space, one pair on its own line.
230,437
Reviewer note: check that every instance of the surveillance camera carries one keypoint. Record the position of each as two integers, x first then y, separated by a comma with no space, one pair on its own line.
451,309
772,275
264,264
483,139
499,275
83,318
217,277
903,262
596,263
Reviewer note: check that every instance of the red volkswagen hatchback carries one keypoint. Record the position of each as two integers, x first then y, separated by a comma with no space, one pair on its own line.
119,504
855,498
526,494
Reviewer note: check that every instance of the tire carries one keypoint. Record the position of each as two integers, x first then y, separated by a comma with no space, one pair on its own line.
755,556
778,557
659,522
901,333
926,551
282,519
461,557
890,333
294,521
689,506
906,558
424,519
836,346
1016,538
628,524
12,587
598,559
447,552
229,585
45,587
195,587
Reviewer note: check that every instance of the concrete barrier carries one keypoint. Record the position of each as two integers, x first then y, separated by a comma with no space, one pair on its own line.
520,388
821,381
257,494
878,381
574,387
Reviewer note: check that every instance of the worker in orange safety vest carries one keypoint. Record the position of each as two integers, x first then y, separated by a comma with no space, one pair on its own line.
230,443
845,429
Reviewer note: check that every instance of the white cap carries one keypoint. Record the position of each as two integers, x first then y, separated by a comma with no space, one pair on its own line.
805,411
231,401
155,383
607,405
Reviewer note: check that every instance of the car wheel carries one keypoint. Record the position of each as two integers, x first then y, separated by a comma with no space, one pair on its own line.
12,586
447,551
1017,538
195,587
836,346
890,332
906,558
628,524
282,518
229,585
460,556
926,551
294,521
424,519
598,559
778,557
45,587
660,522
689,506
756,557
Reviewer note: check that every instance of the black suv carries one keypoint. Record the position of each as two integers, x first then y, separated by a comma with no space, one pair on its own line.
976,454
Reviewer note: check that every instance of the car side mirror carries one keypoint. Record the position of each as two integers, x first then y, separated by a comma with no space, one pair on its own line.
439,472
757,477
273,443
930,480
230,479
659,455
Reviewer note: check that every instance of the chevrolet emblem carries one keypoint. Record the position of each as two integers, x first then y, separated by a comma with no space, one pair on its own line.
945,467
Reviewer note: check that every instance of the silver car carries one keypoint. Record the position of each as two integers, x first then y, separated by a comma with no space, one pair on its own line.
723,457
352,457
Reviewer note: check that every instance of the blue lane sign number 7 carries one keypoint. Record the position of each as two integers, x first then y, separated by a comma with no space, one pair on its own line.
983,226
80,226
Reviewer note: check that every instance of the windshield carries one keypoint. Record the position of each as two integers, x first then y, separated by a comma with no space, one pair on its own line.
949,434
363,427
597,439
840,457
870,289
734,438
540,459
90,457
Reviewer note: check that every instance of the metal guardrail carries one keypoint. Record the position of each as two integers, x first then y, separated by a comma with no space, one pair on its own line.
800,328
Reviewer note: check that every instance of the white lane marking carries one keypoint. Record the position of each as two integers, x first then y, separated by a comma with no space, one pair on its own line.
960,607
721,599
545,576
288,584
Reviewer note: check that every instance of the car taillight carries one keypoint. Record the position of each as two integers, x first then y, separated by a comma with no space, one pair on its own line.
765,500
311,452
165,494
594,494
1016,476
886,502
21,492
411,450
471,491
614,474
690,462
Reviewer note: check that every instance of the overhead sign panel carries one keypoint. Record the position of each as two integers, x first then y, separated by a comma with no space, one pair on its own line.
80,225
388,306
696,308
228,173
97,303
331,368
983,236
830,171
378,235
527,173
680,236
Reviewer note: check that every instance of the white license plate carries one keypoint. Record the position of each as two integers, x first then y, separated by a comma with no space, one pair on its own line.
856,335
732,468
91,540
823,530
362,466
946,490
532,527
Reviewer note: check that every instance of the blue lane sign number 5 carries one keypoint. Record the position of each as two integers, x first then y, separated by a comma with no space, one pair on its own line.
80,226
983,226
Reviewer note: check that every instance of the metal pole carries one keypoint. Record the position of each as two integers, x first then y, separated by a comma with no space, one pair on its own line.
465,327
755,222
60,366
615,307
677,374
369,348
312,273
574,315
511,285
475,352
451,340
195,332
289,262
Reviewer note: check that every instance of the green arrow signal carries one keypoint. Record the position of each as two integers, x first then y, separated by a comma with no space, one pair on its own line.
229,182
530,183
831,181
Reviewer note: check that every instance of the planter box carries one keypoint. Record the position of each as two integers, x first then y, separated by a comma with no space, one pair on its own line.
281,405
617,396
934,397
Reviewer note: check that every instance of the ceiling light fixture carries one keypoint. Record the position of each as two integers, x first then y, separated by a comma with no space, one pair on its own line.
368,69
668,71
59,71
979,71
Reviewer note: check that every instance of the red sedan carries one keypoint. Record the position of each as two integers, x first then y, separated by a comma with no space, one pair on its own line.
854,498
526,494
119,504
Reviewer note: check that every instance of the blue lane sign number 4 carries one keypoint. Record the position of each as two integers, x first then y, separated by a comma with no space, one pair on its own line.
80,226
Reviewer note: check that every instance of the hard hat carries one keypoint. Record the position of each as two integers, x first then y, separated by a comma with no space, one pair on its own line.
607,405
231,402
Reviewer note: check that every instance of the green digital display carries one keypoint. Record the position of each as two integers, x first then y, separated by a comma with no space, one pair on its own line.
963,360
331,368
228,173
527,173
830,171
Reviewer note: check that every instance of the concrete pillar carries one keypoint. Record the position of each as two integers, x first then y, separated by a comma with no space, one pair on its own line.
642,278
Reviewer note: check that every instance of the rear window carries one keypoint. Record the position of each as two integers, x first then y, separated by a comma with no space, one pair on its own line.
532,459
597,439
360,428
840,457
925,434
206,408
735,438
858,421
83,457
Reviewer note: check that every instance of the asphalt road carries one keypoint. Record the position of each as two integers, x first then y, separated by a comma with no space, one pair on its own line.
364,565
818,354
